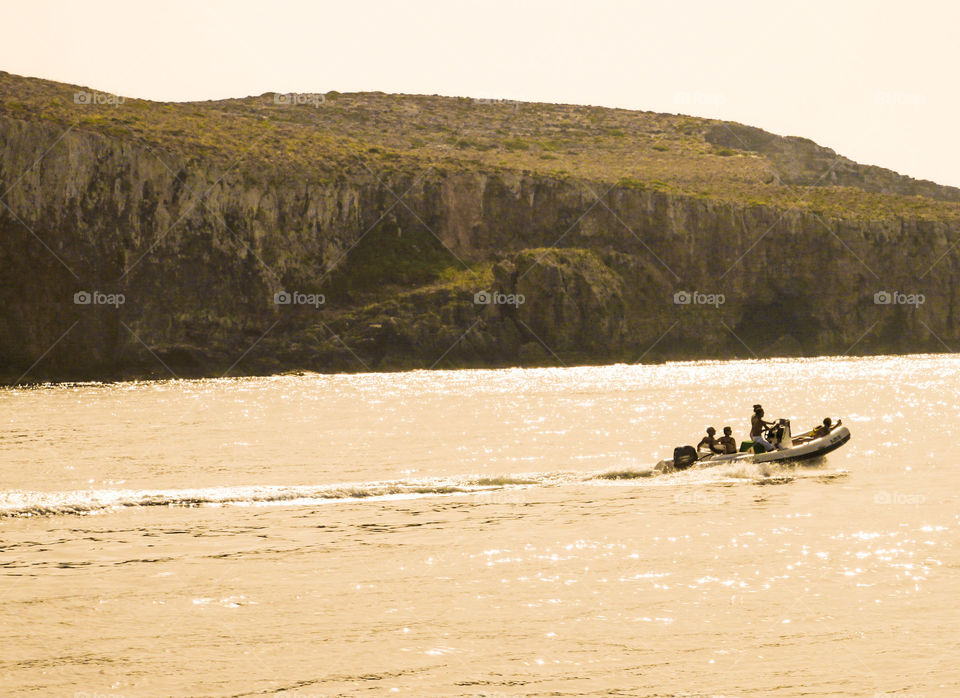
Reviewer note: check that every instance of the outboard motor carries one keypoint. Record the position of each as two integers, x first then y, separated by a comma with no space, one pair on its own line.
684,457
787,436
780,434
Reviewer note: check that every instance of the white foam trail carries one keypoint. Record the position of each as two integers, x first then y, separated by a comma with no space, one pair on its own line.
20,503
26,504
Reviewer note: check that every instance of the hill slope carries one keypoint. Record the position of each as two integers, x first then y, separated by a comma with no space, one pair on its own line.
395,210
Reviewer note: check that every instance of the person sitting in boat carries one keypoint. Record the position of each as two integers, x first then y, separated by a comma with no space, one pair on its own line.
817,432
823,429
727,441
710,442
757,425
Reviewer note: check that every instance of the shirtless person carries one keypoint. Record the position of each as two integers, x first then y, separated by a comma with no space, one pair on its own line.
727,441
710,442
757,426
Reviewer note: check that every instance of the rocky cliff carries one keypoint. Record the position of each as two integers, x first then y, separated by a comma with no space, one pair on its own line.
377,232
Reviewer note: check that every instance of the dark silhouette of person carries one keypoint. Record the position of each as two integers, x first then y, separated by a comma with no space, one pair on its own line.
710,441
757,426
727,442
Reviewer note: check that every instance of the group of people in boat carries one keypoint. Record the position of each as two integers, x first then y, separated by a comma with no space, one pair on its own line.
725,444
728,444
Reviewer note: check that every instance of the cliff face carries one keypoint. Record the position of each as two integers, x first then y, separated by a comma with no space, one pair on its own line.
183,258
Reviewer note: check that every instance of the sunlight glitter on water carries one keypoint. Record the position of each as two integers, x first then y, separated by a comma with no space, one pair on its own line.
431,532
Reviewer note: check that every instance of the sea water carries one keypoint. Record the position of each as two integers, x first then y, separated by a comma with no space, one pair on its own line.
481,533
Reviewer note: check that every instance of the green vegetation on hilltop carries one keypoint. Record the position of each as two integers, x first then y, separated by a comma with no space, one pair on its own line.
328,136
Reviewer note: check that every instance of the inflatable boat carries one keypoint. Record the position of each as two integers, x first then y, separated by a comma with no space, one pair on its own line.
788,448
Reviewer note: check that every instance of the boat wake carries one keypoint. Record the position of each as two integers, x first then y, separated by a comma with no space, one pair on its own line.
22,504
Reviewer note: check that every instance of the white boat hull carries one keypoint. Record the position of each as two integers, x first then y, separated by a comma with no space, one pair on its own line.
806,450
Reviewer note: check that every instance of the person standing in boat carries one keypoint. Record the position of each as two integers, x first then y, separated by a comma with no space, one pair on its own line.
727,441
757,425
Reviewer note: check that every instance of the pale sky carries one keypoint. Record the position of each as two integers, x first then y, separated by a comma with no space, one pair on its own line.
875,81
